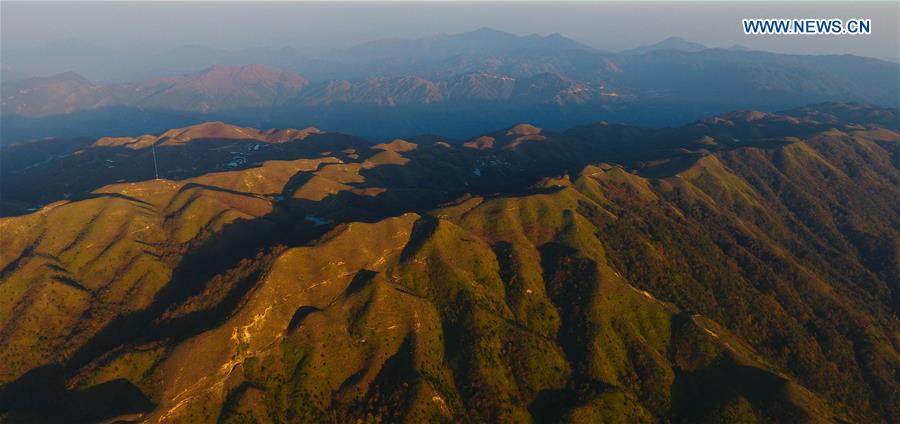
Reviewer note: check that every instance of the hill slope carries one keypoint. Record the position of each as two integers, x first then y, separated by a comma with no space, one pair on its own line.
742,268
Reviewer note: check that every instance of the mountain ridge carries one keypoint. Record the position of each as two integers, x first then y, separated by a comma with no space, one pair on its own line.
472,92
215,130
733,260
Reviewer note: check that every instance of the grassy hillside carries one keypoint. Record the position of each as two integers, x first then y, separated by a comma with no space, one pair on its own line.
740,269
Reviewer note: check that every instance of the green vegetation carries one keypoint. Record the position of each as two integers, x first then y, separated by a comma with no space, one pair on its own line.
741,284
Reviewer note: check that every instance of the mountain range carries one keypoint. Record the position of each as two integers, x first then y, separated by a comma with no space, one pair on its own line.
457,85
739,268
92,61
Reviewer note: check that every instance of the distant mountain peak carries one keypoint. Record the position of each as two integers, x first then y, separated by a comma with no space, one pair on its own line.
670,43
489,30
523,129
673,39
483,40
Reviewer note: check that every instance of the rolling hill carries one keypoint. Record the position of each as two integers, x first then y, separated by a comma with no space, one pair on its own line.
741,268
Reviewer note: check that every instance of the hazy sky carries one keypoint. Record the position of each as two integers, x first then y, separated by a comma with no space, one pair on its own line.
156,26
